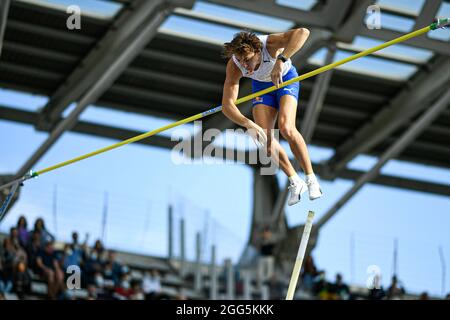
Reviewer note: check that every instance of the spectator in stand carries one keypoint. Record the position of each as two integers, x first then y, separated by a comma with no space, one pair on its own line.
112,269
12,254
181,295
46,236
33,249
50,270
395,291
78,249
136,291
7,263
5,277
76,246
71,257
424,296
94,262
123,291
339,290
19,252
98,249
110,278
321,286
309,272
75,254
22,280
22,228
99,281
102,289
151,285
92,292
377,291
14,237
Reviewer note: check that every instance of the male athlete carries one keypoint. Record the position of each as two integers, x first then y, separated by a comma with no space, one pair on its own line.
266,60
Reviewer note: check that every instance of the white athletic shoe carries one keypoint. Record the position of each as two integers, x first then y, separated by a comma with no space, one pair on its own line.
314,190
296,190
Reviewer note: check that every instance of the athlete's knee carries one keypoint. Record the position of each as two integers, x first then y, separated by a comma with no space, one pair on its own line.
288,131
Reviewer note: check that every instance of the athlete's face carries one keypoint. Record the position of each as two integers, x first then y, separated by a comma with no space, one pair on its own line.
249,61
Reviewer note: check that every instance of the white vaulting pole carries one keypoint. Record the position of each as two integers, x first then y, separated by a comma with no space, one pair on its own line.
300,255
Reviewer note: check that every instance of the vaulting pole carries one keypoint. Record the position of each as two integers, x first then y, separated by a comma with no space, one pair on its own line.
442,23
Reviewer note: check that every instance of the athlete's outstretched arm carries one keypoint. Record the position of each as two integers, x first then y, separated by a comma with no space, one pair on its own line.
231,111
291,41
230,95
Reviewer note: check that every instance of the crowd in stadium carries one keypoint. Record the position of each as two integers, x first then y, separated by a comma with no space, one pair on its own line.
314,281
314,284
27,254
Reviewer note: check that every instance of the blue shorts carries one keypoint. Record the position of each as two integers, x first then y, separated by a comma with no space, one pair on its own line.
272,99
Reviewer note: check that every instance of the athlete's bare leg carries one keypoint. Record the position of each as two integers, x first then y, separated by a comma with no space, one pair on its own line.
266,116
288,129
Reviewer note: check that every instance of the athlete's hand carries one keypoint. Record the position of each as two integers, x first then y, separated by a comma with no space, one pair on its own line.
277,73
257,134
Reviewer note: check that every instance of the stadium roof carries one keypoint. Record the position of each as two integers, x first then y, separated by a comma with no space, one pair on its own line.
367,104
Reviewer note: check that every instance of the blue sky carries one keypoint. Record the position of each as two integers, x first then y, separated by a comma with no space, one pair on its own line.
141,181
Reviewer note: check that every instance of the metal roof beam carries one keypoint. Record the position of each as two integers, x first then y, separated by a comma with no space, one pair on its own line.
125,30
382,55
316,101
171,79
349,28
43,31
428,13
270,8
408,103
391,181
335,12
179,59
148,17
199,16
4,9
60,57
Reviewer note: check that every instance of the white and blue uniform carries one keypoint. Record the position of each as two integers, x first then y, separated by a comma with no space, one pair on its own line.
261,78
